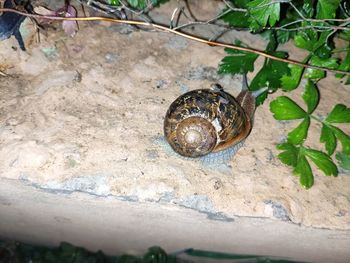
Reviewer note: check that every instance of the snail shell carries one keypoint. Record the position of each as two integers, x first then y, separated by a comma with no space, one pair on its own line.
206,121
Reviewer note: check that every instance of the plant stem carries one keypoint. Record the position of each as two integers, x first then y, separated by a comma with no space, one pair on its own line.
316,118
185,35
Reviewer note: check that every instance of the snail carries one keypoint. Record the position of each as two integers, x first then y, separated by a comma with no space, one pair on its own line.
210,122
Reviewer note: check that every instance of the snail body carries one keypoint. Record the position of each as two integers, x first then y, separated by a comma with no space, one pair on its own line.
209,121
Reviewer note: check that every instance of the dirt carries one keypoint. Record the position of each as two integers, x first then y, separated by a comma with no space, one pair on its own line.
86,114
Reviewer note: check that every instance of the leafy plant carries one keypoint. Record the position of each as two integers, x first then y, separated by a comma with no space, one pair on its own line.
311,25
15,252
67,253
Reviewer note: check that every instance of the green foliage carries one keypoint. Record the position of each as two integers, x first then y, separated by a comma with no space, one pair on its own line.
11,252
294,153
343,160
328,138
340,114
345,66
270,75
67,253
290,154
284,108
323,161
311,26
114,2
299,134
291,82
327,8
236,18
263,12
311,96
238,61
317,74
303,170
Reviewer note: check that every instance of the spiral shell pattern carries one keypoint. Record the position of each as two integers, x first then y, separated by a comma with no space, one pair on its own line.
203,121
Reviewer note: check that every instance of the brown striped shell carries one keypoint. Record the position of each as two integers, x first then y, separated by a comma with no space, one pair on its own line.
203,121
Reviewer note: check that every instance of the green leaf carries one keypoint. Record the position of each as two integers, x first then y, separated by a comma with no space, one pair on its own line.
290,82
312,41
327,8
339,114
277,70
155,254
133,3
344,66
236,19
323,161
328,138
330,63
343,160
343,138
347,82
283,36
220,256
261,98
311,96
157,3
270,74
302,40
289,156
324,51
263,12
308,8
114,2
299,134
322,48
303,170
316,74
140,4
238,62
284,108
240,3
272,44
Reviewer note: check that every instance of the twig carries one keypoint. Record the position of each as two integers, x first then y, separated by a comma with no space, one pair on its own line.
187,4
3,74
320,28
185,35
317,20
229,5
203,23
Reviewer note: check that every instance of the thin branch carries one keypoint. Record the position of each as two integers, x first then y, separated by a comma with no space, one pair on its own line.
203,23
317,27
317,20
336,29
185,35
3,74
191,14
271,3
229,5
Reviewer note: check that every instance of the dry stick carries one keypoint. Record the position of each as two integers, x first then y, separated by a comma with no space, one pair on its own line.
166,29
3,74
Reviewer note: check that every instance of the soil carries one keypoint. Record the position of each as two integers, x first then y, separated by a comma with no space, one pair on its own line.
86,114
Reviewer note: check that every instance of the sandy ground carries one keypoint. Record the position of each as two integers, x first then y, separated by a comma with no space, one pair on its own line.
86,114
